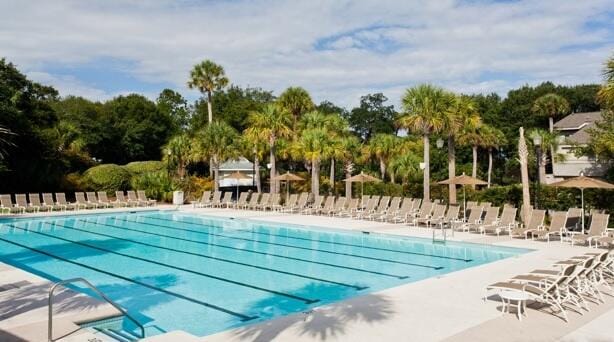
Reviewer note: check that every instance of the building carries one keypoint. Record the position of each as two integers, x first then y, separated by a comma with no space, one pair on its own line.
574,131
240,164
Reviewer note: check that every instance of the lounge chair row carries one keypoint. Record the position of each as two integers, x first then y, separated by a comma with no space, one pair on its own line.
83,200
569,284
253,201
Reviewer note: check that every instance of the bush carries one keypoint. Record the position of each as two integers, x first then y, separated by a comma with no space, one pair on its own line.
140,167
106,177
157,185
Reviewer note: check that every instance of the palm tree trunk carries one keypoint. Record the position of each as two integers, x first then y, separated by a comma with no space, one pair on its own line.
348,185
272,183
392,177
451,168
332,174
543,159
523,155
551,124
257,173
489,165
474,170
209,107
382,168
426,172
315,177
216,173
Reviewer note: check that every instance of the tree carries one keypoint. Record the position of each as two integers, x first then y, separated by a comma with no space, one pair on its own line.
272,123
372,116
473,137
296,101
492,139
601,141
311,145
462,114
217,142
177,153
424,108
549,142
208,77
349,146
405,165
382,147
550,106
256,145
523,158
5,142
173,105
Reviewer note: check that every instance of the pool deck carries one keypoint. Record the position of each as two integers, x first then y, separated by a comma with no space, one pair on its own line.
445,308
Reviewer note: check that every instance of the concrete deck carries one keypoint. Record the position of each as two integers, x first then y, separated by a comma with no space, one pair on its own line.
448,308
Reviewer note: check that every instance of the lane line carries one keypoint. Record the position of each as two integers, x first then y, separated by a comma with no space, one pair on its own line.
210,257
253,251
206,275
286,245
171,293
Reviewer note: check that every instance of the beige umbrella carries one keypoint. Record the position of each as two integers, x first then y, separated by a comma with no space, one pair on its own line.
582,183
237,175
362,178
464,180
288,177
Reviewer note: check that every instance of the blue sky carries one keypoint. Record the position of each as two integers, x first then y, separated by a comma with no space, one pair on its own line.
338,50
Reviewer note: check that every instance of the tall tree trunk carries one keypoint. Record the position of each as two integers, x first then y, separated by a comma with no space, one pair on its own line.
474,170
523,156
392,176
382,168
489,165
272,183
209,107
451,168
543,159
426,183
348,185
216,173
551,124
315,177
257,173
332,174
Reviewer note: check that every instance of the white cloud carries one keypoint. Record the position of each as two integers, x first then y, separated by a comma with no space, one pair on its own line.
371,45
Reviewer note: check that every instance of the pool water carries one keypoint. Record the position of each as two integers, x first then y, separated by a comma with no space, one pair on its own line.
173,270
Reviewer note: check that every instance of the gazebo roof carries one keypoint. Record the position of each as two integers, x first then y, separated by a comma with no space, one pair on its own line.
239,164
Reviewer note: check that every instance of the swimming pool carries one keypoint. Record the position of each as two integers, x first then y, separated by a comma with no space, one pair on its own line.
173,270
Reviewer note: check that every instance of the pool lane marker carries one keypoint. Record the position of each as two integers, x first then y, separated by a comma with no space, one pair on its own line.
283,294
130,280
356,287
286,245
321,241
253,251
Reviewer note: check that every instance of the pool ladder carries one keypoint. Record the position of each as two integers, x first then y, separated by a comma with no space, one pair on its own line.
444,235
98,292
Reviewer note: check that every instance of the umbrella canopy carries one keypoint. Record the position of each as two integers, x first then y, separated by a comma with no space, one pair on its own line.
238,175
288,177
582,182
463,180
362,178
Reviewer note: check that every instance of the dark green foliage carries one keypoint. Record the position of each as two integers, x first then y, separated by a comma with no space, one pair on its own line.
157,185
372,116
106,177
171,104
140,167
232,105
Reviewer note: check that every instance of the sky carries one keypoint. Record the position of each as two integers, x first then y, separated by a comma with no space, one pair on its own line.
336,49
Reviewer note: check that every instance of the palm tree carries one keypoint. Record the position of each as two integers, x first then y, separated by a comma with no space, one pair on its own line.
549,142
462,114
271,123
349,146
297,101
254,144
425,107
606,93
312,144
405,165
550,105
382,147
217,142
472,136
176,153
5,133
493,138
208,77
523,159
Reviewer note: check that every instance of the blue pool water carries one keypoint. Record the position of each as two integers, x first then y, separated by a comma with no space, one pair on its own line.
172,270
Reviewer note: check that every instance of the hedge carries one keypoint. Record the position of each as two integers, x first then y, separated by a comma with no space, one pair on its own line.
106,177
140,167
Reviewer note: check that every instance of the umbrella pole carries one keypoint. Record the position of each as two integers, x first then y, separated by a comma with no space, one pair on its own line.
582,197
464,204
287,190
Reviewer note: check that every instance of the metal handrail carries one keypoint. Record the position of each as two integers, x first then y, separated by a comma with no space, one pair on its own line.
95,289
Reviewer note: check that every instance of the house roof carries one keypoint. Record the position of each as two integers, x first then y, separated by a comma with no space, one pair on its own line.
239,164
577,120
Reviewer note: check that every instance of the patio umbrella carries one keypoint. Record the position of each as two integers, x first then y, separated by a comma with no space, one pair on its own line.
288,177
237,175
362,178
582,183
464,180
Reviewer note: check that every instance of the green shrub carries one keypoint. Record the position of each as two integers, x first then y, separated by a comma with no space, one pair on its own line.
106,177
157,185
140,167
